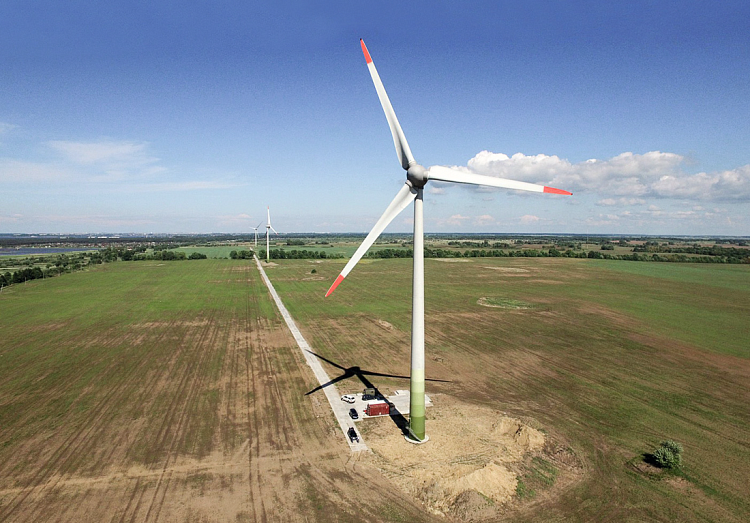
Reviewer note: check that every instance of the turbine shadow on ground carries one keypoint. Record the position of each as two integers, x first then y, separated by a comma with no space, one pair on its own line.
398,419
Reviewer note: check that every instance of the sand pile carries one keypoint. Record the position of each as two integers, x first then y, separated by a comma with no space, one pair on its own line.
464,470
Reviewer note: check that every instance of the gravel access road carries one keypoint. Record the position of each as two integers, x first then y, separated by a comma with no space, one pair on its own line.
339,408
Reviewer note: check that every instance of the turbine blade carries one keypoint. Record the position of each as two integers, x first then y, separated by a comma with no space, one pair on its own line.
326,360
274,230
330,382
368,373
258,227
402,200
446,174
399,140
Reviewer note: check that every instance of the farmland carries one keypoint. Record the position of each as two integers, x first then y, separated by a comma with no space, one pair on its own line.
155,391
166,392
612,358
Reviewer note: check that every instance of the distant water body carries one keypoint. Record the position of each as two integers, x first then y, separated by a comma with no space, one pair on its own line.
40,251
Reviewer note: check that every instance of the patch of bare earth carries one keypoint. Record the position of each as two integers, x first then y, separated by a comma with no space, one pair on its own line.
512,270
468,469
384,324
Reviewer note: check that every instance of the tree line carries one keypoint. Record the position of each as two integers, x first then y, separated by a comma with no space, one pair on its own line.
555,253
62,263
298,254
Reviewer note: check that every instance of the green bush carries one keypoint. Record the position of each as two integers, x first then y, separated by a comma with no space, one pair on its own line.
668,455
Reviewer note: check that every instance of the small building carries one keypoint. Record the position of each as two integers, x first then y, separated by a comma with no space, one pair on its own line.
378,408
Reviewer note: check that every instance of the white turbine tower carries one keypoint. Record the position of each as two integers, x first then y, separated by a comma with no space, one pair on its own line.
416,178
268,234
256,234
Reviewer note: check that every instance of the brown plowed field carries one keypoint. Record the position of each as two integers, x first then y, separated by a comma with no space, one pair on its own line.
169,392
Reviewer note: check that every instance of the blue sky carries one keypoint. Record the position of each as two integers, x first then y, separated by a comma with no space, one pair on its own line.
194,116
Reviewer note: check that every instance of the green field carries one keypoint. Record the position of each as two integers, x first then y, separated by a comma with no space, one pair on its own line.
152,391
171,391
613,358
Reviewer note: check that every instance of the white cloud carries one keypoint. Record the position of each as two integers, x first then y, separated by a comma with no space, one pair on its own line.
123,166
195,185
456,219
6,127
20,171
527,219
625,179
621,202
103,152
108,160
241,221
435,190
484,219
10,218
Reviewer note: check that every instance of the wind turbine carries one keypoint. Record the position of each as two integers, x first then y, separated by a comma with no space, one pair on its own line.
416,178
268,233
256,234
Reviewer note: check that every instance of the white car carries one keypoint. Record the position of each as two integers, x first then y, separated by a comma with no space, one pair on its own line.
348,398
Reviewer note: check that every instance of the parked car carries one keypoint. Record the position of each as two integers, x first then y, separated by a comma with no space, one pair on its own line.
353,414
352,434
348,398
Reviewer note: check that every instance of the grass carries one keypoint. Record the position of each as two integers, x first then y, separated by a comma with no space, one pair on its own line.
613,358
102,334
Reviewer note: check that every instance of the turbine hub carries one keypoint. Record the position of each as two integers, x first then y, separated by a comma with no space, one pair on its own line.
417,175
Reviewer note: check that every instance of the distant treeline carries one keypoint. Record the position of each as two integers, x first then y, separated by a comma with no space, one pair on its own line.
298,254
62,263
241,255
736,255
555,253
161,253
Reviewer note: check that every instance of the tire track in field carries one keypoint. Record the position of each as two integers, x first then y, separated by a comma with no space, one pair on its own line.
70,446
141,391
178,355
256,495
181,431
185,394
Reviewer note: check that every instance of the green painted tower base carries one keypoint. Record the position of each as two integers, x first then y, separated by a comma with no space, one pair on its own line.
411,439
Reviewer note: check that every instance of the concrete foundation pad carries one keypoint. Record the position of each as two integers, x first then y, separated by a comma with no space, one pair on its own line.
417,441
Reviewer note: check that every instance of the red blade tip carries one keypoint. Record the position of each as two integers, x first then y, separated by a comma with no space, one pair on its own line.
335,284
552,190
364,50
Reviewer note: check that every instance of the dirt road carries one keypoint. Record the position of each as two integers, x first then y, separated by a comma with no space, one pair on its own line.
340,409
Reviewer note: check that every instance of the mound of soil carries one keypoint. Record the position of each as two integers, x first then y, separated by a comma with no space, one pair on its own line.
466,468
503,303
507,269
384,324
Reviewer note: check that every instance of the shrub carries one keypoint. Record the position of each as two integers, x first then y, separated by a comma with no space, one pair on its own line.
668,455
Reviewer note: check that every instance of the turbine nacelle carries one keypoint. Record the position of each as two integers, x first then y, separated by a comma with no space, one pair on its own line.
417,175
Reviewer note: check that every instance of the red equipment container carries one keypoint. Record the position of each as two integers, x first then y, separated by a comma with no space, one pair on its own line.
378,408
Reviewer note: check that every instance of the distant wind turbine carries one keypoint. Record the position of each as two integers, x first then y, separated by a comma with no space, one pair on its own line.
416,178
256,234
268,234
